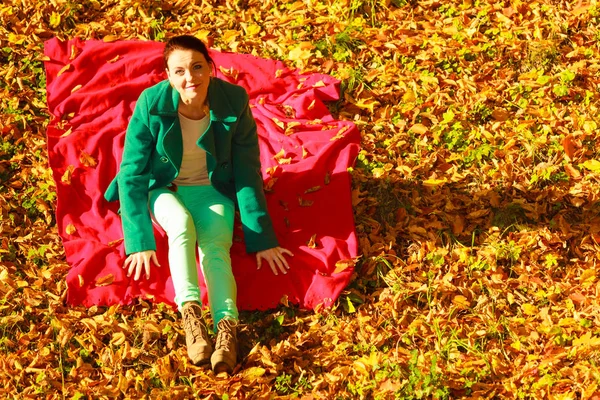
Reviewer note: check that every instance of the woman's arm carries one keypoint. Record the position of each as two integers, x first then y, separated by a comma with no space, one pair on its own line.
133,179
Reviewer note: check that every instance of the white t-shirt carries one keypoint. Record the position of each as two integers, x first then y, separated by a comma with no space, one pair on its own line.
193,165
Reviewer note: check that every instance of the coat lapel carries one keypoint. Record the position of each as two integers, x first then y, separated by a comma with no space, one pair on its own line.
221,114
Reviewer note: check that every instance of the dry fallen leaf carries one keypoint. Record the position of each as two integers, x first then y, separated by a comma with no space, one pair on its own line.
105,280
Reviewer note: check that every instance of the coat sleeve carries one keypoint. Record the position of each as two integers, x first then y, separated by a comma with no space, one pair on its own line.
133,179
256,222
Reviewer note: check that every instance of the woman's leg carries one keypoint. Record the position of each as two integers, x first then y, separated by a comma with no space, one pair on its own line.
213,215
173,217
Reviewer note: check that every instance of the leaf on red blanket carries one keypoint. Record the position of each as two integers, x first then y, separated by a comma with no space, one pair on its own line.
230,72
115,243
312,189
327,177
279,123
312,242
87,160
67,133
64,69
76,88
66,178
284,204
340,133
343,264
304,203
70,229
114,59
105,280
74,52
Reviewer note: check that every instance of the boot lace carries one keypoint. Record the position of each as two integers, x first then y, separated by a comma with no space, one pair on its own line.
192,323
225,336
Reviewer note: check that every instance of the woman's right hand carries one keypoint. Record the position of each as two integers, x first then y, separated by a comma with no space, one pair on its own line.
136,262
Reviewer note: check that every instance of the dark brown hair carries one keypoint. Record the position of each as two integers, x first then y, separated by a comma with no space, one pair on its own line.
186,42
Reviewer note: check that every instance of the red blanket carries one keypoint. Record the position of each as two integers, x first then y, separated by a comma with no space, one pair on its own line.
92,88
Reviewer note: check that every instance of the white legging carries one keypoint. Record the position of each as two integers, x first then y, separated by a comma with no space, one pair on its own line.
198,215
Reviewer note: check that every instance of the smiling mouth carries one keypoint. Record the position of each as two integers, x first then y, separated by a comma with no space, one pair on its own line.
191,87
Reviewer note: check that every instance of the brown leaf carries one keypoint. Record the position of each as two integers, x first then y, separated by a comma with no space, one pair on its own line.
304,203
312,189
569,146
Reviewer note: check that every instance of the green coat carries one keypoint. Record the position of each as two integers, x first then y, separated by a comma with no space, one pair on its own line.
153,152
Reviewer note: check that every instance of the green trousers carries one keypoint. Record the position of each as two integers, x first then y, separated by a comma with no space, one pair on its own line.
198,216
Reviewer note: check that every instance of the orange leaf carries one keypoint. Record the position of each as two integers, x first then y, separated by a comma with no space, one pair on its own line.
81,282
113,60
341,265
110,38
105,280
87,160
569,146
64,69
312,242
76,88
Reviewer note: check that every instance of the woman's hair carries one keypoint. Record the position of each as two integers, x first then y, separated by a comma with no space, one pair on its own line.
186,42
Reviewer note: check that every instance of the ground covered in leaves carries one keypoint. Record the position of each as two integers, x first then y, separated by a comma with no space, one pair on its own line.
476,201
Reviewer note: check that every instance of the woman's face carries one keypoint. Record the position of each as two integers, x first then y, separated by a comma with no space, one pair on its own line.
189,73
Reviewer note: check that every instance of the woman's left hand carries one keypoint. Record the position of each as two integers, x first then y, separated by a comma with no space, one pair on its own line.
275,257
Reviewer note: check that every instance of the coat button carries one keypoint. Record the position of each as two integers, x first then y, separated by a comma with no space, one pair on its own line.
164,159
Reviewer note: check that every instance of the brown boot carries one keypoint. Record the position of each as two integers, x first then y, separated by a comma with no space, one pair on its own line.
198,344
225,356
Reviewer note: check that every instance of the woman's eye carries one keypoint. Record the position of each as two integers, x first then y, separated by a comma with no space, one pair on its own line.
197,66
179,72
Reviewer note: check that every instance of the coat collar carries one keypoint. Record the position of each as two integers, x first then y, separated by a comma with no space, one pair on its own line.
167,101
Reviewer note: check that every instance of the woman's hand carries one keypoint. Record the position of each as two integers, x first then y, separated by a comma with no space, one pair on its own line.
140,261
275,257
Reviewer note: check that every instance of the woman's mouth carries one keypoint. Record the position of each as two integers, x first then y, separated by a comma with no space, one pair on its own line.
191,87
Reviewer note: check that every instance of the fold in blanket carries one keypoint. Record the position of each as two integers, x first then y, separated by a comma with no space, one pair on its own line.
92,88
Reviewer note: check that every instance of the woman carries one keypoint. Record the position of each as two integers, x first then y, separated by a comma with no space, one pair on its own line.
191,155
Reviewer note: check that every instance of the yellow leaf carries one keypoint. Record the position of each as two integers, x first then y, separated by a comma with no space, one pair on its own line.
342,265
66,178
67,133
70,229
74,52
64,69
587,277
110,38
114,59
278,123
81,281
461,301
76,88
311,105
419,129
529,309
434,182
592,165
